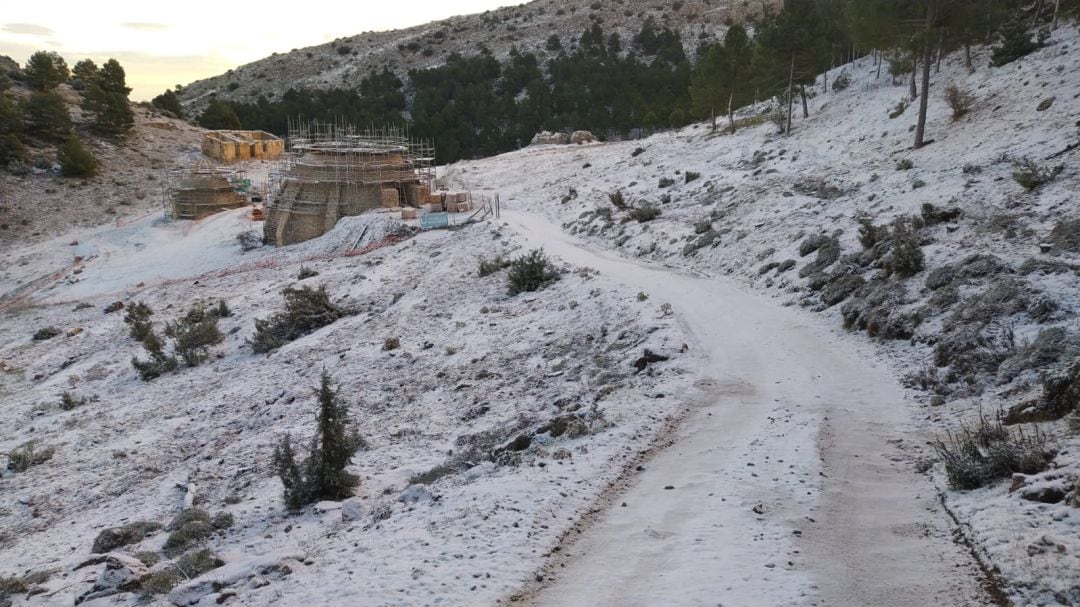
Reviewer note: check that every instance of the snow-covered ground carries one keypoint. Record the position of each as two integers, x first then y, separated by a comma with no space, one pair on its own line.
761,195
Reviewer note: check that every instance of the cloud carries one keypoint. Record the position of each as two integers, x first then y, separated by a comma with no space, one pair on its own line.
146,27
29,29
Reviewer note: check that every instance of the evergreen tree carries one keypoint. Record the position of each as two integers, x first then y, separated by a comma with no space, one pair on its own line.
1015,42
219,116
111,114
169,102
721,77
76,160
11,127
85,73
112,78
46,70
45,115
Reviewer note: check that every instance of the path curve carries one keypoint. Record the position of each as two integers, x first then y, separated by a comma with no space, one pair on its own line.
789,487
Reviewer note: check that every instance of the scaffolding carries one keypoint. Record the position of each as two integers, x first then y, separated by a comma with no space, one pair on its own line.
332,170
202,190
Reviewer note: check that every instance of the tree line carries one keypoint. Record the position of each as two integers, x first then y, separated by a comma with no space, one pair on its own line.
477,105
43,116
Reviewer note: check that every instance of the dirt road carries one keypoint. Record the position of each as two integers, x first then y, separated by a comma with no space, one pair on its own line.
786,485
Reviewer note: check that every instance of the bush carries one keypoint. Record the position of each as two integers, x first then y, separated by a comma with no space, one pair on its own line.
193,334
645,213
666,182
322,475
305,273
249,240
137,317
26,455
75,160
219,116
907,256
905,165
530,272
488,268
169,102
391,343
46,116
869,234
68,401
899,109
117,537
45,333
692,176
975,457
190,528
617,200
637,152
1015,42
841,82
306,310
959,100
1033,176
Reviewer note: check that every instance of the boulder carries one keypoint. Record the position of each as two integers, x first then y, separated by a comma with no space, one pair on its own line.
122,573
414,494
549,138
352,510
582,137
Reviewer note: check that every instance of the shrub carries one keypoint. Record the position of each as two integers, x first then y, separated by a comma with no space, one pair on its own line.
841,82
959,100
223,310
306,310
666,182
1033,176
870,234
1015,42
905,165
645,213
76,160
26,455
116,537
322,475
137,318
975,457
249,240
193,334
305,273
46,333
11,586
391,343
617,200
637,152
907,256
190,528
169,102
692,176
68,401
530,272
899,109
488,268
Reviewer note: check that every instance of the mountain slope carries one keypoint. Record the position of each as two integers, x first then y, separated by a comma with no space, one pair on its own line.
343,63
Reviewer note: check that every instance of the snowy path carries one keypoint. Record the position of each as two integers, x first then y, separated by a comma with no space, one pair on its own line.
785,486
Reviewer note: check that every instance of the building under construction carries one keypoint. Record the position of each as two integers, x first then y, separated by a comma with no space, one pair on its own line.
236,146
334,171
195,193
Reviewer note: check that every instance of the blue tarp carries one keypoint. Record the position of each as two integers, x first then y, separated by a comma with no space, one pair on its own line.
434,220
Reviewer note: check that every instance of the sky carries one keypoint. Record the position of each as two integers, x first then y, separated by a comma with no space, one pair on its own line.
161,44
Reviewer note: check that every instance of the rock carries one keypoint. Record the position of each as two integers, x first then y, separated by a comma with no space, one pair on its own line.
580,137
1044,494
352,509
647,359
414,494
549,138
121,574
327,505
1045,104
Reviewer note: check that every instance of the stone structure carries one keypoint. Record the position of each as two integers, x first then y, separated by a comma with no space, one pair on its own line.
202,191
233,146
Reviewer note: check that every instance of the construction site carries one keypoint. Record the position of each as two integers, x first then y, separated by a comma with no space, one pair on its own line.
238,146
334,171
202,190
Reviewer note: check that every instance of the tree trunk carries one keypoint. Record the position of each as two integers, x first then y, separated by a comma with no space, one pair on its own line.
1057,7
731,109
967,58
805,108
880,60
940,49
924,101
913,89
1038,11
790,93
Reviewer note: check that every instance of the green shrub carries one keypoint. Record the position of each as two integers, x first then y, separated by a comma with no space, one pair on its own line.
1015,42
666,182
870,234
68,401
841,82
306,310
530,272
975,457
137,317
219,115
169,102
189,529
45,333
1033,176
905,165
617,200
117,537
907,256
23,457
322,475
644,213
305,273
193,334
691,176
488,268
391,343
76,160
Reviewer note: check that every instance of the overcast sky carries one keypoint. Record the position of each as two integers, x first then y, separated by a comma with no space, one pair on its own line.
161,44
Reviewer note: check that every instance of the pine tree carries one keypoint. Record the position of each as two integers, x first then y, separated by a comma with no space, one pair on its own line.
169,102
46,70
219,116
85,73
45,115
112,116
11,127
284,460
76,160
112,78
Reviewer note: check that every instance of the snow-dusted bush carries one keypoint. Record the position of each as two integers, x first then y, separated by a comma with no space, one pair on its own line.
1032,175
907,256
870,234
306,310
959,100
116,537
530,272
488,267
617,200
194,333
975,457
28,454
842,82
644,213
322,475
46,333
249,240
305,273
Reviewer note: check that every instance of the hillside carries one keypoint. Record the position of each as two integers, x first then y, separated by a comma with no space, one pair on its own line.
343,63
